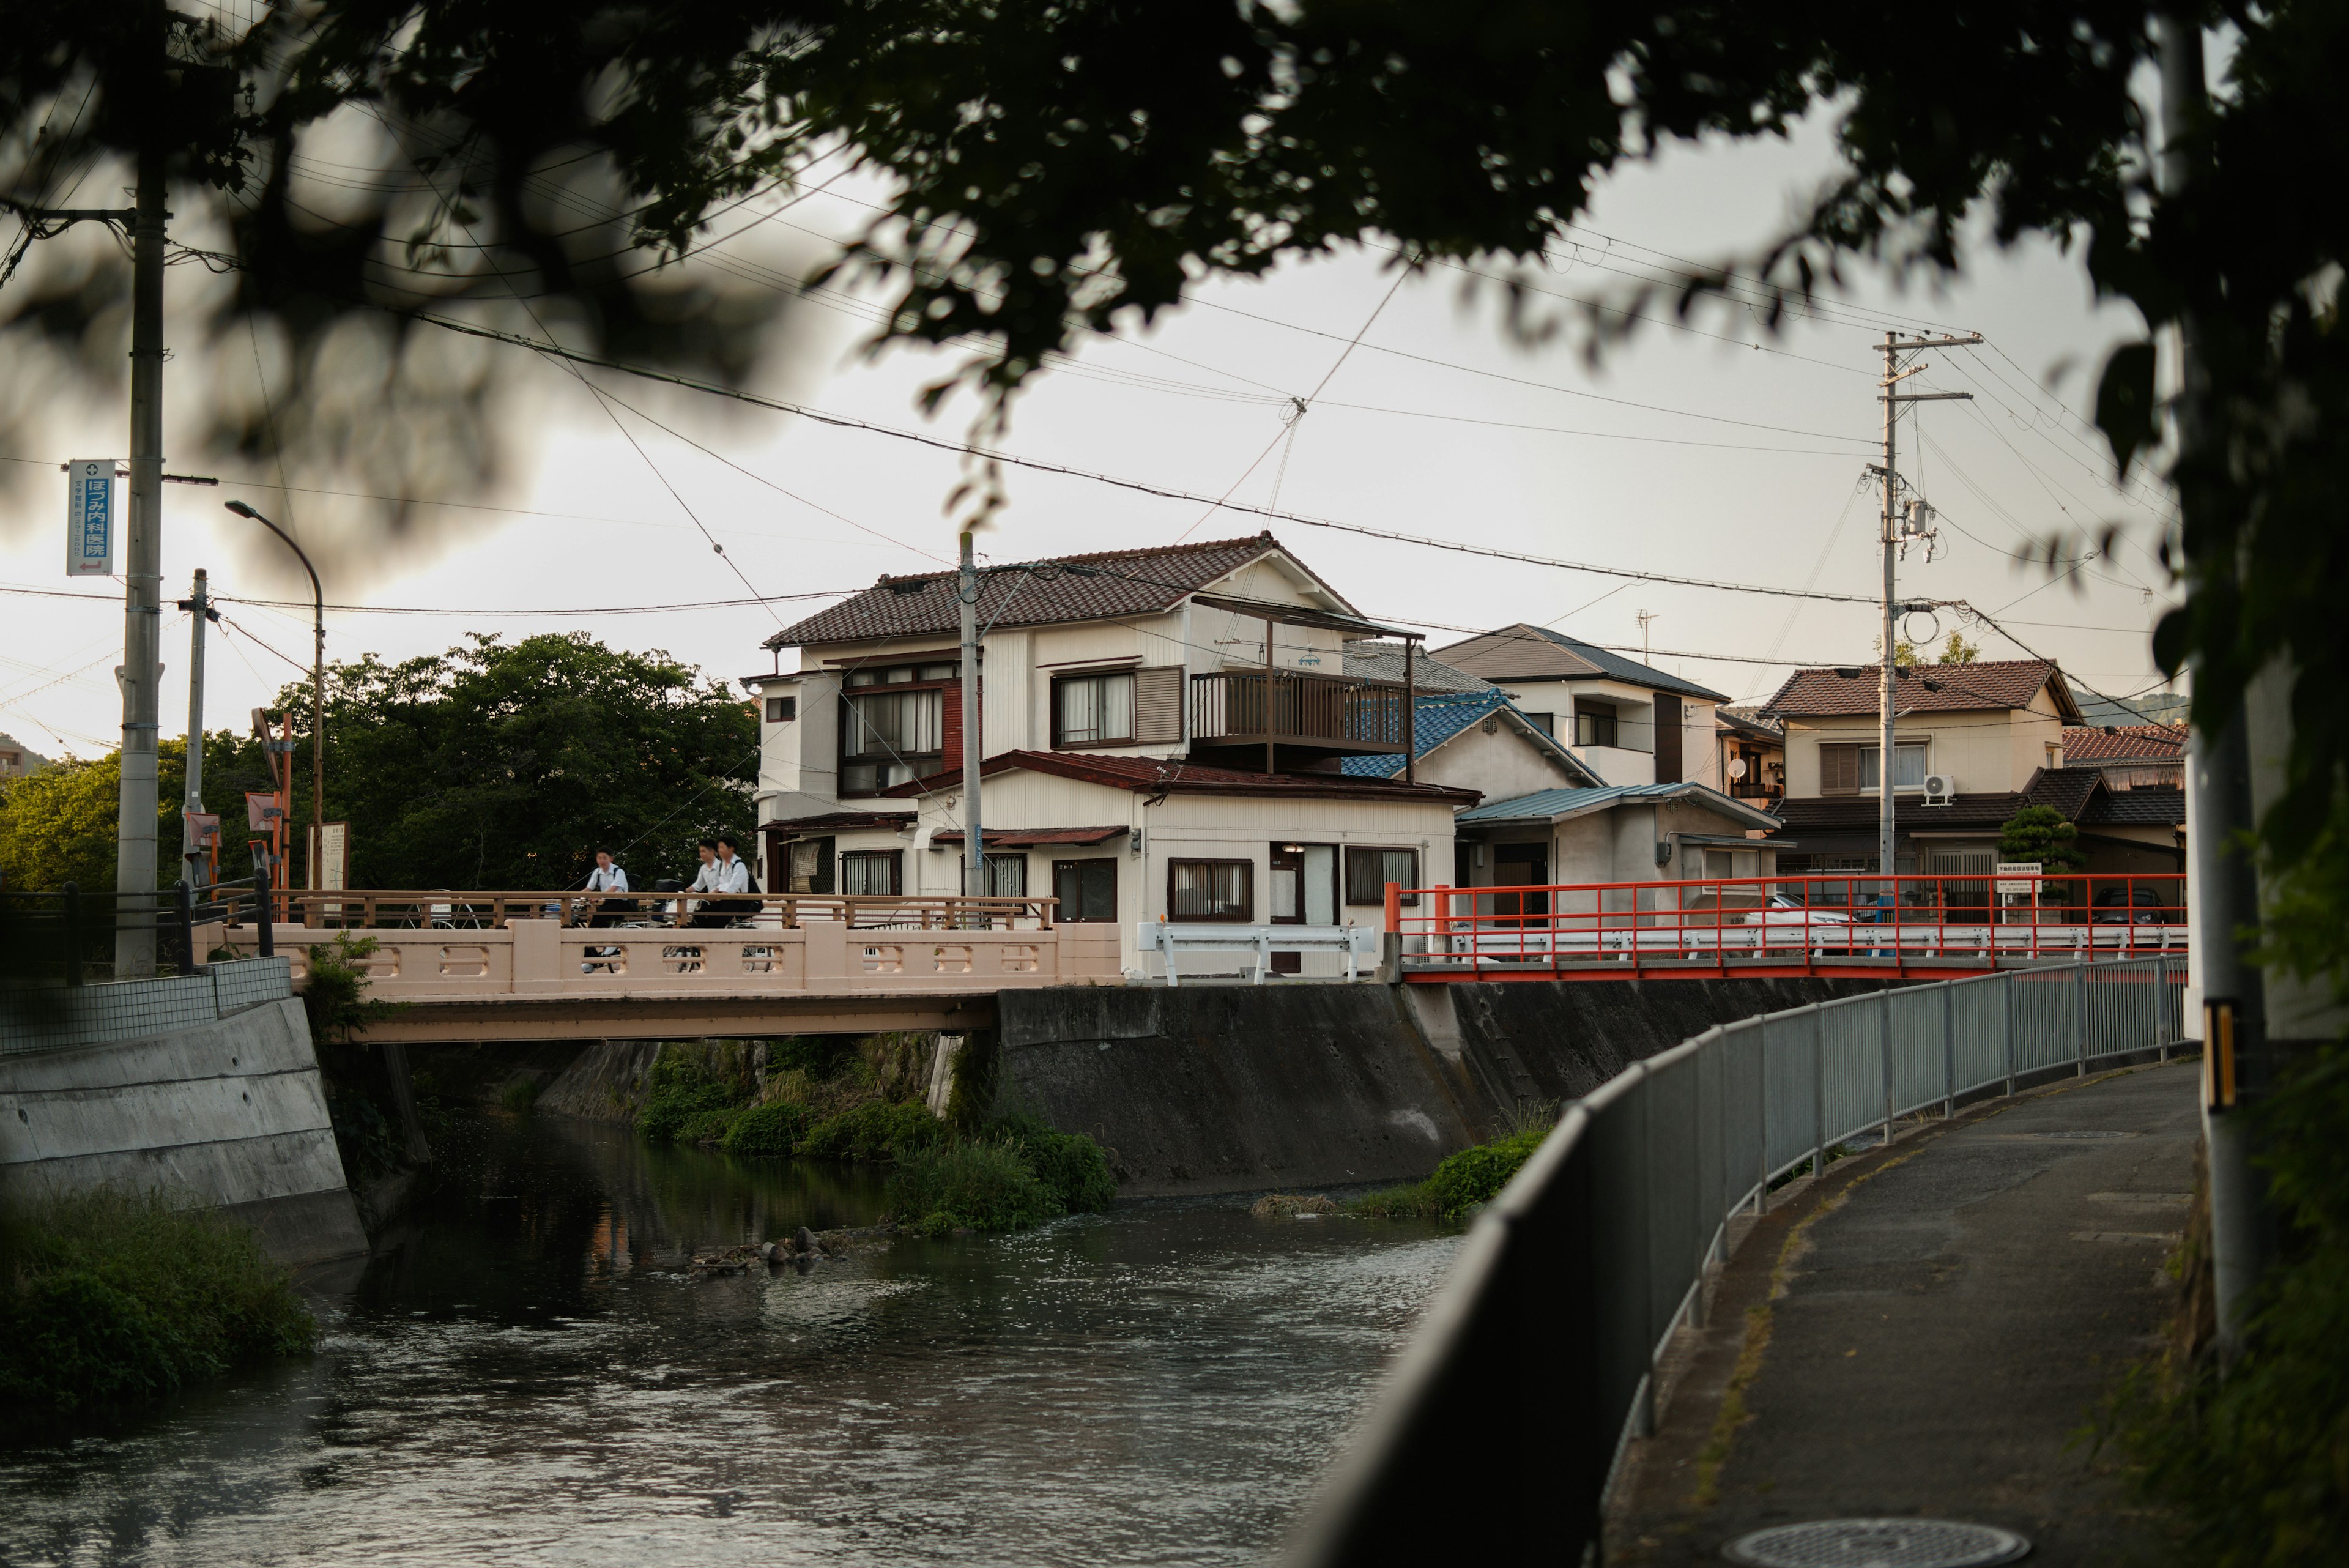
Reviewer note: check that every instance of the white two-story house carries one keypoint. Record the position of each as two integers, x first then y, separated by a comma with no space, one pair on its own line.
1633,725
1164,733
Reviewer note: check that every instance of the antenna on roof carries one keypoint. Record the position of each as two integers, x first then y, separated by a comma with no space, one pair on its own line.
1645,617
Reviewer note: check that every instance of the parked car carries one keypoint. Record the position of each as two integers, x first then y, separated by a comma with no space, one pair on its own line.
2131,904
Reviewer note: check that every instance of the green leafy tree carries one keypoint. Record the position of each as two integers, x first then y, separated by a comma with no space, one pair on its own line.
2043,834
509,766
1958,650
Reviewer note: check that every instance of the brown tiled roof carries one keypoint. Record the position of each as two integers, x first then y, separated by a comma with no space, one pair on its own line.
1035,593
837,822
1027,838
1523,652
2129,742
1150,775
1924,688
2078,793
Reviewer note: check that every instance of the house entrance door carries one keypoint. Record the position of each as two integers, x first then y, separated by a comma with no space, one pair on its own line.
1520,865
1304,893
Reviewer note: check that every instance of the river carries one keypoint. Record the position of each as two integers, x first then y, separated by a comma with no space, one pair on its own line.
528,1374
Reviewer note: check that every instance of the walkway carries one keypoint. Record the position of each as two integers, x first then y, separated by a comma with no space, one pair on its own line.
1947,1314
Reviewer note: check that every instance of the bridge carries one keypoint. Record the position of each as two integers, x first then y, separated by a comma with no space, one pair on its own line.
520,965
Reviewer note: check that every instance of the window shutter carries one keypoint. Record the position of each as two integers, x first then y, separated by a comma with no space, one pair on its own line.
1838,770
1158,704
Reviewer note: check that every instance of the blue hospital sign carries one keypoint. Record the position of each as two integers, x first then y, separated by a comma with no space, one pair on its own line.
89,517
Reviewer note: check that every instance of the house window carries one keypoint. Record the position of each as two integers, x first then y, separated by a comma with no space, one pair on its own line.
1368,872
807,865
1087,889
1908,767
1094,709
782,710
1210,890
1546,722
891,738
873,873
1594,724
1007,875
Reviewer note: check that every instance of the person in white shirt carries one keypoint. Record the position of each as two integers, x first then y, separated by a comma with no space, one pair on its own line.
725,871
608,878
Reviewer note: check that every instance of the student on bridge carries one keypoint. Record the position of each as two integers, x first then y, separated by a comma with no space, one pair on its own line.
608,878
723,870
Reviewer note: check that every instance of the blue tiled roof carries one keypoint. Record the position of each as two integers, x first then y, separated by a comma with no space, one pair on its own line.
1439,718
1553,803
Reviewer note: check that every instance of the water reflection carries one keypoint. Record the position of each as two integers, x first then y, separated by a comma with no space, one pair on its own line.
531,1376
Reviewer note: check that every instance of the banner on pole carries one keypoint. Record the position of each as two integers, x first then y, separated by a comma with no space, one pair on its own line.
89,517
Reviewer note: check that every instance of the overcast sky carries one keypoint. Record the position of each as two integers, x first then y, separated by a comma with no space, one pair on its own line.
1747,465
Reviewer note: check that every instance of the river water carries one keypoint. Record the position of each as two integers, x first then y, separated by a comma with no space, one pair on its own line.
530,1375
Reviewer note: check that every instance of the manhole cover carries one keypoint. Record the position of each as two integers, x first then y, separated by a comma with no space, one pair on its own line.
1877,1543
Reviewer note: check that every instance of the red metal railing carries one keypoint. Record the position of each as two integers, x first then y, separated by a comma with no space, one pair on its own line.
1781,925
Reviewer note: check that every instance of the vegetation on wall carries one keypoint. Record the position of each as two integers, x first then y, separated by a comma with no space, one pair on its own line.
110,1301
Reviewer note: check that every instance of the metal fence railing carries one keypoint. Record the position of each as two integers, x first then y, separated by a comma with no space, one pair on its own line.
1537,1359
68,935
51,1017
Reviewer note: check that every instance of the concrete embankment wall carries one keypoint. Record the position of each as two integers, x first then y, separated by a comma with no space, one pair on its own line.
228,1115
1237,1089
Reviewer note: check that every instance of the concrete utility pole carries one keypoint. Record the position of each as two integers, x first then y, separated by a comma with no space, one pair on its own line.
2225,884
134,856
199,605
974,854
1889,541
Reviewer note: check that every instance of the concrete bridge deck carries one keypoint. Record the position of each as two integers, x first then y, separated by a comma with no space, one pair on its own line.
1925,1331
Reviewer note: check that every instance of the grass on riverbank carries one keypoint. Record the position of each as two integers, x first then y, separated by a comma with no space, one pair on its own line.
1472,1176
1019,1173
108,1301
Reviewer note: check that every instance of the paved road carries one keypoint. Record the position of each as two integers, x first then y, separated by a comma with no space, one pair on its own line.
1946,1315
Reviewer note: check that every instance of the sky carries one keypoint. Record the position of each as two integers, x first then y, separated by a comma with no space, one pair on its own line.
1722,453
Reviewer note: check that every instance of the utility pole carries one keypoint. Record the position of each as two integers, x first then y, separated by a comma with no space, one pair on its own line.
1889,541
2225,885
974,854
199,605
134,856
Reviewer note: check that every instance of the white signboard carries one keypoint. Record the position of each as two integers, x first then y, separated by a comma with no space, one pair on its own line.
330,854
2017,876
89,517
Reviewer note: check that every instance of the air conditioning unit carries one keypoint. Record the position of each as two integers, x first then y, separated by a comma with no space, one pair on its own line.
1939,788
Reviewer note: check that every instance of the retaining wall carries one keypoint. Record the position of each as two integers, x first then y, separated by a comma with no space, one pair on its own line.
1239,1088
229,1114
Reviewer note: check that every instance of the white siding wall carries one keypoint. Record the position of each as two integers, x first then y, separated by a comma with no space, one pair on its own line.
1992,752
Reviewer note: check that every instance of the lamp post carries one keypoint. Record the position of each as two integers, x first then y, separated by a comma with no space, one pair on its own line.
317,684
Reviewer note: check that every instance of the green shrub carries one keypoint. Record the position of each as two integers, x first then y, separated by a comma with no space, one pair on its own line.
978,1184
519,1095
106,1299
1472,1175
706,1128
683,1088
770,1131
876,1131
1071,1166
1477,1174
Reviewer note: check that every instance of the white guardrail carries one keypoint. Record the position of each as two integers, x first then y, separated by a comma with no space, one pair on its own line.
1537,1360
1355,943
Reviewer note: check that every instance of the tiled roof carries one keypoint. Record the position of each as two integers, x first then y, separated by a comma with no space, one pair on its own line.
1922,688
2071,791
837,822
1439,718
1369,659
1029,837
1549,805
1749,725
2130,742
1033,593
1523,652
1152,776
2160,807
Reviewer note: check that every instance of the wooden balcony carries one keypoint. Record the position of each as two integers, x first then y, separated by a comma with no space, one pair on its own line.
1325,714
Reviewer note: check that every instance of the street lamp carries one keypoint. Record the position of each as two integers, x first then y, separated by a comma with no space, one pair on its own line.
317,683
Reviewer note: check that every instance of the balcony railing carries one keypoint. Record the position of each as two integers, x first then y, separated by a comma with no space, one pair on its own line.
1252,707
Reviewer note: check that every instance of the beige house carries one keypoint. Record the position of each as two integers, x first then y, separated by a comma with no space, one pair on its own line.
1630,722
1973,744
1165,733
